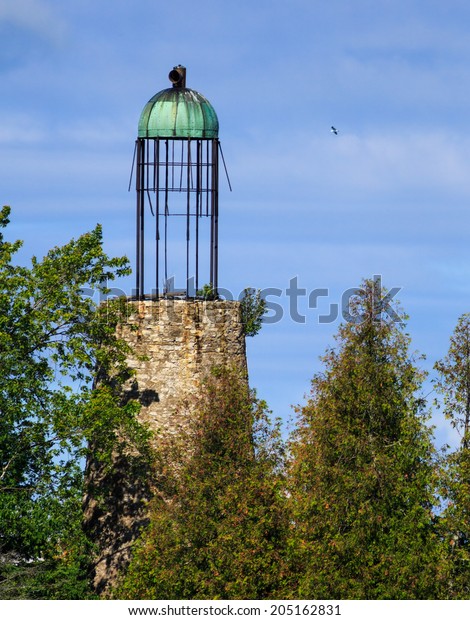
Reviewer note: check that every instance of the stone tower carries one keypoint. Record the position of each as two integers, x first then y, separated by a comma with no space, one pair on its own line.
182,341
176,335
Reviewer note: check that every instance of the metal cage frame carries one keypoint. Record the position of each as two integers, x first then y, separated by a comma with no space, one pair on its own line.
190,167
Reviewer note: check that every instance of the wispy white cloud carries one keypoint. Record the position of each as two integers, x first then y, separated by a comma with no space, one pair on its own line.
401,160
34,15
341,166
21,129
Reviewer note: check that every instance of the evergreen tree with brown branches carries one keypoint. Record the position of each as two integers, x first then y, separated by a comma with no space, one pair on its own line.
217,527
362,469
453,384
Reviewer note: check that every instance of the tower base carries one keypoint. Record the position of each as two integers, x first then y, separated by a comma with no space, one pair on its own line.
176,344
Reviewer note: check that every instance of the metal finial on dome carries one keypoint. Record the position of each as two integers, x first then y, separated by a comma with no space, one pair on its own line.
178,112
177,76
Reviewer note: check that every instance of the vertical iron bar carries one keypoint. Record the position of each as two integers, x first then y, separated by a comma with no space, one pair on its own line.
207,177
172,164
181,165
166,212
142,227
147,165
137,223
215,214
198,208
140,181
188,207
157,213
191,168
209,191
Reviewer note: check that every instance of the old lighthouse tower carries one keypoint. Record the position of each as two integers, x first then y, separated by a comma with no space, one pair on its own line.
179,328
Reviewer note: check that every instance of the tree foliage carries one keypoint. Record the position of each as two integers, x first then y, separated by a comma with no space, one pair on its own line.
207,293
354,513
362,469
453,381
453,384
217,528
253,308
54,343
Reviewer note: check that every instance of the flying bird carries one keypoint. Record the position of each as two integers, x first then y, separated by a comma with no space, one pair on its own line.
334,130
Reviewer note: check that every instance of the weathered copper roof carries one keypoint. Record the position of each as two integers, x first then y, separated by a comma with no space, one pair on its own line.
178,113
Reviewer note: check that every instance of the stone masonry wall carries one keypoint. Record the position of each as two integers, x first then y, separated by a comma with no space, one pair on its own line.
181,341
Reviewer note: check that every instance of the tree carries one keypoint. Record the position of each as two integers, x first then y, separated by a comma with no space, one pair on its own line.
453,380
453,384
253,308
217,526
54,343
361,475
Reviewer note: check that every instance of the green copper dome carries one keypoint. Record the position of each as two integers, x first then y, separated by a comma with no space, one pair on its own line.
178,113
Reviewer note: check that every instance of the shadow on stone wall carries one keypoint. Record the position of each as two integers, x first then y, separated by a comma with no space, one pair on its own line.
114,510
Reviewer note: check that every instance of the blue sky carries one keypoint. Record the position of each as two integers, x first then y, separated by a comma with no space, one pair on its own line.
389,195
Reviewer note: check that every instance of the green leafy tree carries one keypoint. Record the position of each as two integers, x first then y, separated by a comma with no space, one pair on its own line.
217,530
453,384
253,308
54,344
362,469
60,569
207,293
